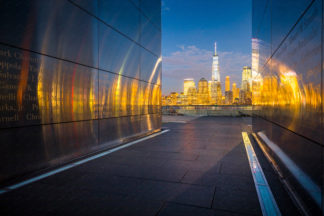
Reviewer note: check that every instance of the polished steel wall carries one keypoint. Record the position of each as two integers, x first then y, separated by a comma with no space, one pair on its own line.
288,90
76,76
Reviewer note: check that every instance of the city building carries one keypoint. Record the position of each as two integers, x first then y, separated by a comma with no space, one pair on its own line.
235,92
188,83
246,78
227,84
87,76
228,97
215,66
174,98
210,92
219,94
245,97
203,93
214,83
192,96
255,59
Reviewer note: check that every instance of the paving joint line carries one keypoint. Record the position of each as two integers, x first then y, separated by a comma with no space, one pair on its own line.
212,202
183,176
161,207
165,181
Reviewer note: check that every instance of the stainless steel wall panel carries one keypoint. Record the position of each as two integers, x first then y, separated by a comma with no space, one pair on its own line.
152,9
114,131
151,122
89,5
150,67
296,75
31,148
305,166
37,89
151,98
70,80
285,16
158,74
136,2
258,16
119,96
51,27
107,94
150,36
290,110
156,99
145,97
122,15
262,29
117,53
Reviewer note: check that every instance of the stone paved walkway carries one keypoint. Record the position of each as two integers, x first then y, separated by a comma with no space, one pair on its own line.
197,168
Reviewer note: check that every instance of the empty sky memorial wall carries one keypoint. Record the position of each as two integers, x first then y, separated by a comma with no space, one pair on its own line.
76,76
288,92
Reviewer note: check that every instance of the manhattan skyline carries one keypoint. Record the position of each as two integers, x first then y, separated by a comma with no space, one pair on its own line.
189,53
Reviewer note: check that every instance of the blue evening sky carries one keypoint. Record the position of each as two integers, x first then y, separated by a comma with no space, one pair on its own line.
189,30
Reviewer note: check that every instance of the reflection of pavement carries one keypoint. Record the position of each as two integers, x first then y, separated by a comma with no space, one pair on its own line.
177,119
197,168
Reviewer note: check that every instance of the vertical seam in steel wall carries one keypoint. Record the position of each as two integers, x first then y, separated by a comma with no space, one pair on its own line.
160,111
270,57
322,168
271,32
140,67
98,71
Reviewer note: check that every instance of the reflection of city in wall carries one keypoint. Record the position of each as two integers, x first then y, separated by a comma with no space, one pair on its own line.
258,87
210,92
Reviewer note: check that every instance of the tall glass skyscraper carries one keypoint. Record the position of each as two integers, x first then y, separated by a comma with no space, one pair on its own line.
76,76
215,67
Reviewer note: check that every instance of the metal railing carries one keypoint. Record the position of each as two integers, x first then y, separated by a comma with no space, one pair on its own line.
208,110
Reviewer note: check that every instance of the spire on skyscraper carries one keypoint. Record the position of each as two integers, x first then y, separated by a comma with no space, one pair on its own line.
215,67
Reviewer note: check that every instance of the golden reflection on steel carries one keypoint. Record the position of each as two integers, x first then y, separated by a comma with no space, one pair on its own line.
159,60
286,89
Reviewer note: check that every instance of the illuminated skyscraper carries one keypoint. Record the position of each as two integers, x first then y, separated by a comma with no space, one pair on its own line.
246,78
245,93
228,97
212,87
255,59
228,92
215,67
234,89
219,95
214,84
187,83
192,96
203,94
174,98
227,84
256,77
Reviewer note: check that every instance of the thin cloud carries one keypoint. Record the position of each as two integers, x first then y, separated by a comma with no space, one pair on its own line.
191,61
